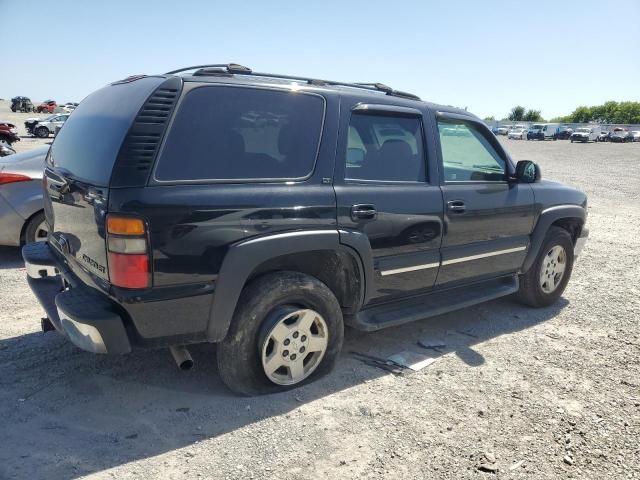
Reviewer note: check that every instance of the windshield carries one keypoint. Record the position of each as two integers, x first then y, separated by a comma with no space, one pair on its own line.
537,127
583,130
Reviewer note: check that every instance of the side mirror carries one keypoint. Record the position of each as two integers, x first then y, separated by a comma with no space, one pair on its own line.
527,172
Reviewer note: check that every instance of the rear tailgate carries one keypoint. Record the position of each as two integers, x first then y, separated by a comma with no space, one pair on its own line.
79,169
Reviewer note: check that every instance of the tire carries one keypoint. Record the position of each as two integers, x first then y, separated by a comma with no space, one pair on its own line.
265,304
33,231
532,292
42,132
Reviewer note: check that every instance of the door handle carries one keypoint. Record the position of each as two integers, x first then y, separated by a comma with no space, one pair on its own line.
456,206
363,212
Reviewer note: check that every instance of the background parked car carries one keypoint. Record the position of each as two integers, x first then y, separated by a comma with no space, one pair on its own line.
44,128
48,106
517,133
22,104
620,135
21,202
636,135
585,134
603,137
68,107
502,130
8,132
564,133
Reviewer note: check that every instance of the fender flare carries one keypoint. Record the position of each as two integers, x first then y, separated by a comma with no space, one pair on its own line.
243,257
547,217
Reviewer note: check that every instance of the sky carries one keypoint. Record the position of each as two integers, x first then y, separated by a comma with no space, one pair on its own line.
487,56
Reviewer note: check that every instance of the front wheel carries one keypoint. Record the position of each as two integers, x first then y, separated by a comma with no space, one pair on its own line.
547,278
287,331
42,132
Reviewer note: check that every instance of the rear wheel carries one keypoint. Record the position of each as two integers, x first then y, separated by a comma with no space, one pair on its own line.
545,281
36,229
287,331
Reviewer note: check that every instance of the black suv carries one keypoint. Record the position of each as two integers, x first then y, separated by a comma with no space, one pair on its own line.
263,212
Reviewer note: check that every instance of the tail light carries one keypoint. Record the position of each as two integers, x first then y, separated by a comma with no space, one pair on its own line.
128,252
12,178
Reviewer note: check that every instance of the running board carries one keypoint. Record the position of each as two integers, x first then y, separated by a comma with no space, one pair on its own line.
431,304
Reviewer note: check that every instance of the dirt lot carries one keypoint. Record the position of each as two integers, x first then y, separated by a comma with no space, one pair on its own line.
516,393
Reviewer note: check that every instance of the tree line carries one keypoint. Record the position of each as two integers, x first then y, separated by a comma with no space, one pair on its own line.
609,112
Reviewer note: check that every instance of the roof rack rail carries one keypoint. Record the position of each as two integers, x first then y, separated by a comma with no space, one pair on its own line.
234,68
389,91
229,67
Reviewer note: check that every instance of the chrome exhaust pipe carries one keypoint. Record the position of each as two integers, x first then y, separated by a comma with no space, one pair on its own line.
182,357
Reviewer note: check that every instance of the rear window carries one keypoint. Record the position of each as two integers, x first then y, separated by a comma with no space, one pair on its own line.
87,145
239,133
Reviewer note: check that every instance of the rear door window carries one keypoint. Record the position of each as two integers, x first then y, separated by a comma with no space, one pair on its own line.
239,133
385,147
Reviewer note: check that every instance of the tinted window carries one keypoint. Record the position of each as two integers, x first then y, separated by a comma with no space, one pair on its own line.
467,154
385,147
227,133
87,145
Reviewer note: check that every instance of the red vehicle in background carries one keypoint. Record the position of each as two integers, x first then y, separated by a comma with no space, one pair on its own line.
8,132
47,106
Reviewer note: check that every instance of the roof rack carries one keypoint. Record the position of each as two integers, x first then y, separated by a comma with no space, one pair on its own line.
234,68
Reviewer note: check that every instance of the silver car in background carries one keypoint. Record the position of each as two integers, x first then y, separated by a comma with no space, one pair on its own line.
43,128
21,201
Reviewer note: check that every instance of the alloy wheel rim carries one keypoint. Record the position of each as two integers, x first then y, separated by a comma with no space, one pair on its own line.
294,347
554,264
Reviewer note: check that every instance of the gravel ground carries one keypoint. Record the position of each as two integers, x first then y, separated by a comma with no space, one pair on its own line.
516,393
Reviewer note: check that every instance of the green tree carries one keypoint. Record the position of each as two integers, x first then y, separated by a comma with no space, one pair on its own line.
517,114
490,119
609,112
533,116
582,114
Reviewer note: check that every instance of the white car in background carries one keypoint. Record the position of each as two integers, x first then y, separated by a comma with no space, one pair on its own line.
44,128
517,133
502,130
636,135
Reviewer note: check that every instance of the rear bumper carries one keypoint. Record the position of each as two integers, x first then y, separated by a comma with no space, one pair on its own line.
88,318
10,224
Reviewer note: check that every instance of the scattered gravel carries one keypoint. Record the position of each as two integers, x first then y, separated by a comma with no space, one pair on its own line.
517,393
